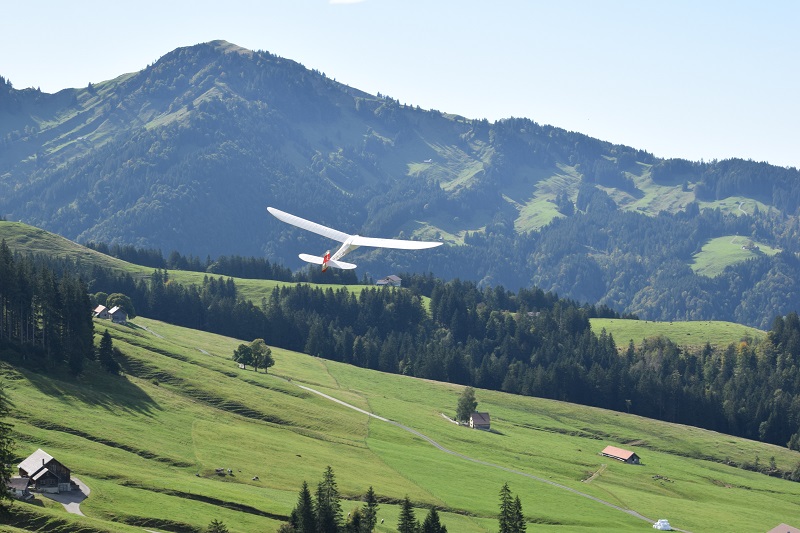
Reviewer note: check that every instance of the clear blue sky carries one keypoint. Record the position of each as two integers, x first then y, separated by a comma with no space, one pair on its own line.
691,79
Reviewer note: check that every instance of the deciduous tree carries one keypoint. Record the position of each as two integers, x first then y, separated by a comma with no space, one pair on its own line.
466,404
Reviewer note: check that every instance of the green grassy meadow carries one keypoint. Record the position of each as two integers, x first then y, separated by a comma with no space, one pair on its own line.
721,252
689,333
148,443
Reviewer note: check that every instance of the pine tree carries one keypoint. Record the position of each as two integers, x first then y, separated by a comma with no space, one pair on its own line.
303,518
217,527
328,506
407,523
432,524
370,510
506,517
518,519
105,353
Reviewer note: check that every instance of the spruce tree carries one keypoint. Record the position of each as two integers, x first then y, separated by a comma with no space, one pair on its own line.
217,526
407,523
432,524
370,510
506,517
328,506
105,353
303,517
518,519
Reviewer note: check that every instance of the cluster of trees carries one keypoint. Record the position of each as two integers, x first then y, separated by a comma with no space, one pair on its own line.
44,313
323,513
511,518
256,354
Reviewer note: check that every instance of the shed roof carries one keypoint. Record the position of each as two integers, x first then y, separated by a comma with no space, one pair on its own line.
480,418
99,308
35,461
613,451
18,483
114,309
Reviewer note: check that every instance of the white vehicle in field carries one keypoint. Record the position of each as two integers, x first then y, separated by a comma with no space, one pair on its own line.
662,525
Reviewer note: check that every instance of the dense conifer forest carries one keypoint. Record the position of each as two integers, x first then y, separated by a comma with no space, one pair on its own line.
45,314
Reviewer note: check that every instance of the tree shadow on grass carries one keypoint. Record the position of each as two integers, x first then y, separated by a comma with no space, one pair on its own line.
95,388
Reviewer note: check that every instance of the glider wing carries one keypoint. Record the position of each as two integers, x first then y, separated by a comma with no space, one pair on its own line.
392,243
313,227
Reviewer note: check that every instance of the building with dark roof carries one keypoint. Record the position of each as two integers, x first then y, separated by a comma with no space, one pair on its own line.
480,421
391,281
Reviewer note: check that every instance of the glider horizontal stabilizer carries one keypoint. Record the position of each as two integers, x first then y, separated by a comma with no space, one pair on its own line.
319,260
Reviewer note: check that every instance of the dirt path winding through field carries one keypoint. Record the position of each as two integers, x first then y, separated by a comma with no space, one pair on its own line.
438,446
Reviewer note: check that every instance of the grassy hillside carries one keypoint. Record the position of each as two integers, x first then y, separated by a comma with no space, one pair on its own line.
28,239
148,444
697,333
721,252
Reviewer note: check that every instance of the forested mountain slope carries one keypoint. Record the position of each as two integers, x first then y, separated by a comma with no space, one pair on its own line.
186,154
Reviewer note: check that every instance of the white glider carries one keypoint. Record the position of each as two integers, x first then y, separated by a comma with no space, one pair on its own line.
349,242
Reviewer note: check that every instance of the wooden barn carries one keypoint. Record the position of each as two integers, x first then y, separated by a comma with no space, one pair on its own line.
101,311
626,456
45,473
480,421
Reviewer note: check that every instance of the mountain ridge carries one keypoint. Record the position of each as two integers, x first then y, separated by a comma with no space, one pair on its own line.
188,152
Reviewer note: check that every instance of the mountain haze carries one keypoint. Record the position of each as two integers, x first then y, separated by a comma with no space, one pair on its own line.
187,153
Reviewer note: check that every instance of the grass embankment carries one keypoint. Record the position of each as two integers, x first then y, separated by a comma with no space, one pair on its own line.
148,445
691,333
